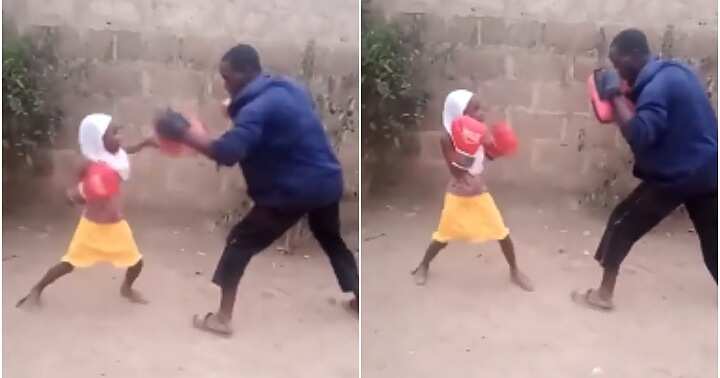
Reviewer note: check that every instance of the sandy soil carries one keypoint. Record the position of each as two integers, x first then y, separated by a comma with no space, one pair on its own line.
470,322
289,321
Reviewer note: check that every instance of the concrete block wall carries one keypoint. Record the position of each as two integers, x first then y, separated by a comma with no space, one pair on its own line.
529,60
131,57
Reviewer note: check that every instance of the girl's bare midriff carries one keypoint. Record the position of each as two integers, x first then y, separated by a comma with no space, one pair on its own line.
104,211
467,186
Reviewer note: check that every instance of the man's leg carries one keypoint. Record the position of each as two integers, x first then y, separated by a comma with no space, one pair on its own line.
257,231
52,274
642,210
325,226
704,215
421,272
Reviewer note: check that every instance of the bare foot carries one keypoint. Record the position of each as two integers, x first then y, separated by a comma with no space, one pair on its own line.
32,300
592,299
213,323
520,279
420,273
353,305
133,296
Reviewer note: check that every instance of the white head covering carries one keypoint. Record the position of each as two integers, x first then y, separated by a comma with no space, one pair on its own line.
92,129
455,104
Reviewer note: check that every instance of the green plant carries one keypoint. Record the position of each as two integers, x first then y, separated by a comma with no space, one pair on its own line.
29,120
392,96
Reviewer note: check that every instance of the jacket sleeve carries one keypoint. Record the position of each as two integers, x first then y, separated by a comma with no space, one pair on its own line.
651,116
237,143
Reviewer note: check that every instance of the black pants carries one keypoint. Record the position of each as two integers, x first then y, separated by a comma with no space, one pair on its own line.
263,225
644,208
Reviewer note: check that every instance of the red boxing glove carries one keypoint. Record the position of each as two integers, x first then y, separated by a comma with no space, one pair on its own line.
504,141
467,135
603,109
99,183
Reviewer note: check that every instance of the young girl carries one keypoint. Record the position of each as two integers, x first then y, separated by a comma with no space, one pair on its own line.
102,235
469,212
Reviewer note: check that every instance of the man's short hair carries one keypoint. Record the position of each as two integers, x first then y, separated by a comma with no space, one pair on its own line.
631,41
243,58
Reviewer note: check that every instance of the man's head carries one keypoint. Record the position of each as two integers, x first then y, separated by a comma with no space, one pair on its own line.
629,53
238,67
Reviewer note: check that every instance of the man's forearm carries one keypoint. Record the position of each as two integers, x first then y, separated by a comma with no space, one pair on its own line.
623,114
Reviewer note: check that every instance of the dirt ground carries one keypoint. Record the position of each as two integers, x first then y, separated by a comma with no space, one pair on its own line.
289,320
470,322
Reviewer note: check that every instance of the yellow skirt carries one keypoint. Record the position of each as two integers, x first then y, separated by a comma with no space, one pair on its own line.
473,219
96,242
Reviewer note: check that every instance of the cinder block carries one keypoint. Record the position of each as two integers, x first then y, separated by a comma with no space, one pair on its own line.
555,10
213,115
331,61
503,93
115,80
531,126
493,31
570,38
463,30
172,83
540,67
129,45
433,29
286,59
526,34
478,64
583,67
203,53
552,157
217,87
558,97
75,108
69,43
136,113
44,13
100,45
161,48
699,44
101,14
584,133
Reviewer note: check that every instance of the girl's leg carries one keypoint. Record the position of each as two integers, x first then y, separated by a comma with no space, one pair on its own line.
517,277
52,274
126,289
421,271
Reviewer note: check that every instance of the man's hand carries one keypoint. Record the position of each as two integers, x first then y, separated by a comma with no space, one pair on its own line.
609,84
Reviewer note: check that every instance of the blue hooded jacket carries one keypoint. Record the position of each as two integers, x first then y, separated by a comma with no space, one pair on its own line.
281,146
674,132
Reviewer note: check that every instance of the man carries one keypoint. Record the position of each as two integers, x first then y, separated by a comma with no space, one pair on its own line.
290,169
673,136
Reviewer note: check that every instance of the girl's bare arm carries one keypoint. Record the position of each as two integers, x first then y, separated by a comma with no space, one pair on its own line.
149,142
